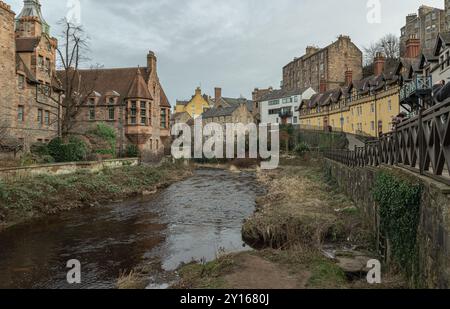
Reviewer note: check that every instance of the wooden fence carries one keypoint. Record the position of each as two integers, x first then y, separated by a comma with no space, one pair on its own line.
420,144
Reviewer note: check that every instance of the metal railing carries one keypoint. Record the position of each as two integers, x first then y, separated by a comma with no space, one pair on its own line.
420,144
419,83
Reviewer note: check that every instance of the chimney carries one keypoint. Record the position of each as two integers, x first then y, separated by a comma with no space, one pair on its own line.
218,94
412,47
323,86
151,62
378,64
348,77
198,91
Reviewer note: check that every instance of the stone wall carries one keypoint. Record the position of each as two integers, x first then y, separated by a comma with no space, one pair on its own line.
8,174
8,85
434,228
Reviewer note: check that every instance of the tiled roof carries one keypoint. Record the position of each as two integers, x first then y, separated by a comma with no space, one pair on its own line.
104,81
138,88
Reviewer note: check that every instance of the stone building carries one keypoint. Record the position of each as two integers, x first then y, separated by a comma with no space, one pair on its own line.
425,25
321,68
29,95
229,110
257,95
130,100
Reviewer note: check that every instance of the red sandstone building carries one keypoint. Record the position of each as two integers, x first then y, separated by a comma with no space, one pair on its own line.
131,100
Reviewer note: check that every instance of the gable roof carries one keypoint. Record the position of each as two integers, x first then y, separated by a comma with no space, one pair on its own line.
443,39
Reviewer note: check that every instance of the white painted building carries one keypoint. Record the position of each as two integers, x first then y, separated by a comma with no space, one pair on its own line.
280,106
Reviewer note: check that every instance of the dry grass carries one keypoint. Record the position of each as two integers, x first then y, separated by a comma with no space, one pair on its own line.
300,208
130,281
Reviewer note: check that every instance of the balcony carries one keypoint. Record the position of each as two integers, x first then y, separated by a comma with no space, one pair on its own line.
285,114
418,88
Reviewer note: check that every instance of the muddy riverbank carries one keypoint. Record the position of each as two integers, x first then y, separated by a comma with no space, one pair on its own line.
42,196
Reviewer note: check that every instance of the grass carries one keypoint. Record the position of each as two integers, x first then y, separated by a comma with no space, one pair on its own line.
43,195
300,208
206,275
130,281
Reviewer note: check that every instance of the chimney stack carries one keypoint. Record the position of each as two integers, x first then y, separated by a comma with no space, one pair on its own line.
348,77
218,94
151,62
412,47
379,63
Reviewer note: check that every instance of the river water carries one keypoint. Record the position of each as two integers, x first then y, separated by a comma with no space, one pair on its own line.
191,220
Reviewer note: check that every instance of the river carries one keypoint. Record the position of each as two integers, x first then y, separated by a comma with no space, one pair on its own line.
191,220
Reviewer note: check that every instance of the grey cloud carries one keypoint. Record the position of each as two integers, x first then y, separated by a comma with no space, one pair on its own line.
235,44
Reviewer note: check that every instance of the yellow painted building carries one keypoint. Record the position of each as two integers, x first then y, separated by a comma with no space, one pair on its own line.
366,107
195,107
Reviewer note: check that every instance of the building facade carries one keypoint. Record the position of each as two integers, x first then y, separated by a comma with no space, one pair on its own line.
425,25
321,68
281,106
229,110
130,100
196,106
30,95
365,107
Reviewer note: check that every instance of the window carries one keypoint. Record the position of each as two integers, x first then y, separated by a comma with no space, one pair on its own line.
111,113
390,105
372,108
372,125
295,120
41,62
133,112
21,113
39,116
21,79
143,113
91,113
47,118
274,102
163,118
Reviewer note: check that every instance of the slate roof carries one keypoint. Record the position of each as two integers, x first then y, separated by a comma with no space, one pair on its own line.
282,93
220,112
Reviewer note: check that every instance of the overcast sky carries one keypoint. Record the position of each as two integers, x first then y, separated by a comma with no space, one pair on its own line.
235,44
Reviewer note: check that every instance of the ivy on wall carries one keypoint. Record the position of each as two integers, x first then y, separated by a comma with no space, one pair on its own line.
399,200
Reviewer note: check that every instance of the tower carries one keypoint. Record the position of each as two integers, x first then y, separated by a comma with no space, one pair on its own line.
30,22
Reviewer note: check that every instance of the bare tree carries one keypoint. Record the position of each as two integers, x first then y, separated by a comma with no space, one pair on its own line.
72,52
389,45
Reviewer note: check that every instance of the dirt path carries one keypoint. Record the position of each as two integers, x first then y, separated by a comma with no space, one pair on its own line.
257,273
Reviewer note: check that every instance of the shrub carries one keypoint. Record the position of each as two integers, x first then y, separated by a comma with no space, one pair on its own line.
132,151
3,192
400,201
302,148
71,151
107,134
40,149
